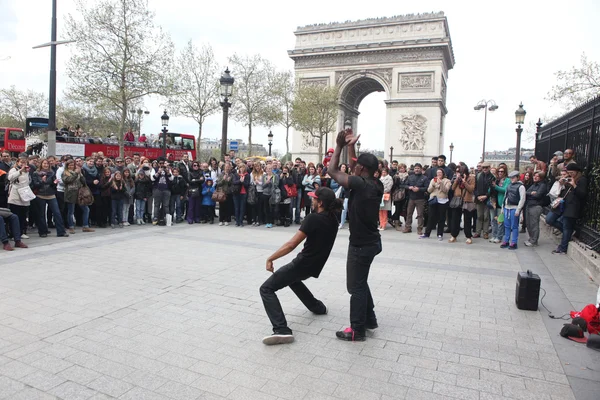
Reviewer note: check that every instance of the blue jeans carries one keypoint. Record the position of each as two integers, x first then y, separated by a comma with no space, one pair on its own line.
344,213
58,219
140,207
116,213
71,220
495,212
298,203
511,226
13,222
239,205
564,224
175,206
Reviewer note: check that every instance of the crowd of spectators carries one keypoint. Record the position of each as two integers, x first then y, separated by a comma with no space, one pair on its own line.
486,201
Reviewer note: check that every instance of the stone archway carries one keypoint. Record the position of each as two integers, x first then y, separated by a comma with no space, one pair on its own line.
407,57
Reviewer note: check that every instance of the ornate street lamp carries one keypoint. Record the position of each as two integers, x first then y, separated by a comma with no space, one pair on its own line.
451,150
270,136
226,83
358,148
487,105
391,154
519,119
165,122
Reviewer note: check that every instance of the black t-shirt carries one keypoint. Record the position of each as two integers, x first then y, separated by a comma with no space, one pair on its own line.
321,230
363,210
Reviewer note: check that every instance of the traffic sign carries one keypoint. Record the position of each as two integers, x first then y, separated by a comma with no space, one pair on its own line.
233,145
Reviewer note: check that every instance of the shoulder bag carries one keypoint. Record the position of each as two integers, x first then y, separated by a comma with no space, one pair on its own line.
558,205
219,196
25,193
457,201
85,196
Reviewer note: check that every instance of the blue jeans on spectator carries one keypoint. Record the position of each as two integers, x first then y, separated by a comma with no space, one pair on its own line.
175,206
70,218
298,203
58,220
564,224
344,213
140,207
15,228
239,205
511,226
494,213
116,213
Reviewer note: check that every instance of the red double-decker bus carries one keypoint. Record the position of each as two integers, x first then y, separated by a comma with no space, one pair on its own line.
13,140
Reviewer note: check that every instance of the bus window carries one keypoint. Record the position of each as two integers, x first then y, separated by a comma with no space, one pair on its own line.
2,132
177,141
16,134
188,144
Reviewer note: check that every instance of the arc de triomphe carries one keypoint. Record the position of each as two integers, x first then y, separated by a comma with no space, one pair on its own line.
407,57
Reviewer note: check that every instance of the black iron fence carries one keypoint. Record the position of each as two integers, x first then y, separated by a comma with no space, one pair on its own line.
578,130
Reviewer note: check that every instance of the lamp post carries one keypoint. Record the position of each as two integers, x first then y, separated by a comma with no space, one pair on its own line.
165,122
358,148
487,105
270,136
519,119
52,91
226,83
391,153
451,150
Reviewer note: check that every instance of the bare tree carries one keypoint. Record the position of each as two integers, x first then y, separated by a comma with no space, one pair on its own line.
17,105
253,101
196,84
576,85
315,112
120,55
285,88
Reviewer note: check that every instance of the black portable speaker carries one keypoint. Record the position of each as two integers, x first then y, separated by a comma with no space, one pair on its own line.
527,293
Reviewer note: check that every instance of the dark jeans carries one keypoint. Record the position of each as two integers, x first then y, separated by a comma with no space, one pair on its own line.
60,199
289,275
116,215
103,210
194,209
15,228
208,213
226,209
564,224
162,200
358,265
239,202
53,206
267,209
259,209
21,212
437,216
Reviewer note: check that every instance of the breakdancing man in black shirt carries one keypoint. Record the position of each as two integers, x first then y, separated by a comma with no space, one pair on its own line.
365,242
320,230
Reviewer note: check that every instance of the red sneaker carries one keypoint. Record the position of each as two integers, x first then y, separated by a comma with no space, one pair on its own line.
350,335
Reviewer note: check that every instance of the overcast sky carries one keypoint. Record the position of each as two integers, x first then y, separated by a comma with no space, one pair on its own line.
507,51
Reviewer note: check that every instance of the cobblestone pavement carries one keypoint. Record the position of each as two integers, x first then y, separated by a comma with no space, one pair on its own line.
174,313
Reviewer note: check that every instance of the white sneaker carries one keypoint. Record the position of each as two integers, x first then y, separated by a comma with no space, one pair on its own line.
24,236
220,224
226,223
278,339
126,223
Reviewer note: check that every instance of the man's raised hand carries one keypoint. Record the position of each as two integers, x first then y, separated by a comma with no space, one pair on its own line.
341,139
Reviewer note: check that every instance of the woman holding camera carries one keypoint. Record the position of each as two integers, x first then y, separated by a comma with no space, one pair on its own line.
195,194
44,182
19,178
463,187
568,205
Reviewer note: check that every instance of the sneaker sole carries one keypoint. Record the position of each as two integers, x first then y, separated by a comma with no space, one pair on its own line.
278,339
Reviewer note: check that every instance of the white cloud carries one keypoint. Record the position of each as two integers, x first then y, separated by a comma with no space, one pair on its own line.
506,51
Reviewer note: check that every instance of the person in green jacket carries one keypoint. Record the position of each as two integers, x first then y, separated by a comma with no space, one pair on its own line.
499,186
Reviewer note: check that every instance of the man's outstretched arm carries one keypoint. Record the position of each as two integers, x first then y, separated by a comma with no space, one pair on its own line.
286,249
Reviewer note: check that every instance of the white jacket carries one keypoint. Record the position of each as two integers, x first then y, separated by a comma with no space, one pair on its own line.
17,180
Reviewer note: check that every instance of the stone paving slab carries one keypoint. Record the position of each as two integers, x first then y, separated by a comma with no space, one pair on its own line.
174,313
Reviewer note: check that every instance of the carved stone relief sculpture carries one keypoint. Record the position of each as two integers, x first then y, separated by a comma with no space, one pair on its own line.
412,137
418,82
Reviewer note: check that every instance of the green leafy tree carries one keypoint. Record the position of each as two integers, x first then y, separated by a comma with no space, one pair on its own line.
315,112
120,56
